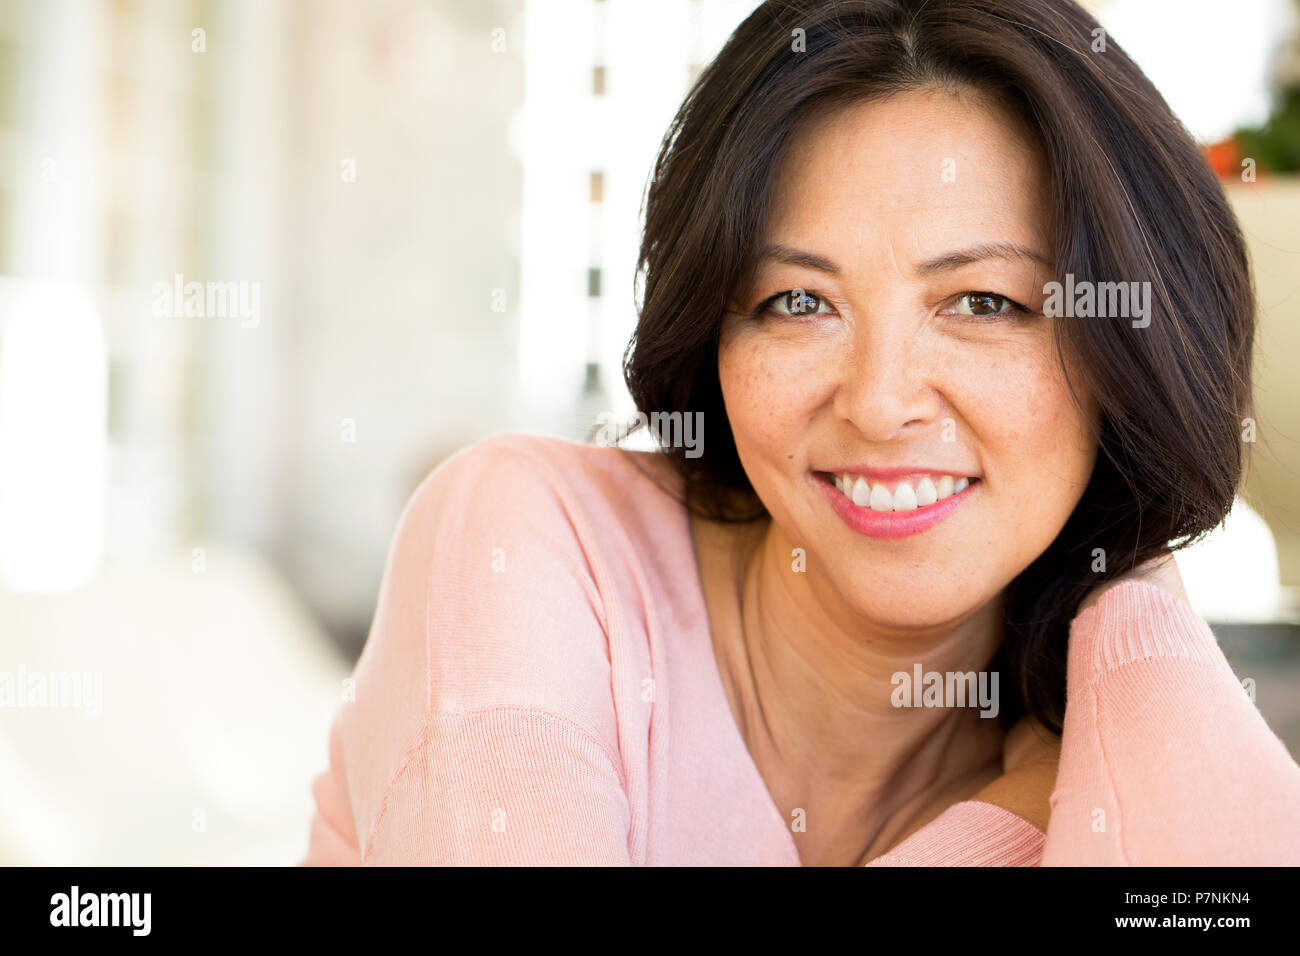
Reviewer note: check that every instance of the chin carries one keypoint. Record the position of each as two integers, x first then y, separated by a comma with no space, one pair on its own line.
928,606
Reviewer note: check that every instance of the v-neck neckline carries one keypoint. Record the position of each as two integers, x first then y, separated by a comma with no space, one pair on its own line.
720,702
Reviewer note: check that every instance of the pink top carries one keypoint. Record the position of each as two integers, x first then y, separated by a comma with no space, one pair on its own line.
540,687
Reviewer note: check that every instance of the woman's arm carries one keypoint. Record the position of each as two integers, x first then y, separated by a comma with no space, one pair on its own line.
1002,825
482,728
1165,760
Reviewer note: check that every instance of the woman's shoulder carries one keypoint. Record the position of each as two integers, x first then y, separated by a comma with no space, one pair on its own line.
606,497
538,526
499,621
509,582
559,462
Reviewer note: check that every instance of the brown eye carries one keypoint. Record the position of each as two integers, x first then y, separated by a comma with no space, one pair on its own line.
984,303
795,302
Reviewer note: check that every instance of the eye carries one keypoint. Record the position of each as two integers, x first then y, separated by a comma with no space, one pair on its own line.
791,302
986,304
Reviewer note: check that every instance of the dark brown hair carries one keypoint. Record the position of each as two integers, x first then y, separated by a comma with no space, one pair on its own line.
1133,200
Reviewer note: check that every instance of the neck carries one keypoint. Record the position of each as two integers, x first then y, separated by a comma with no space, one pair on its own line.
812,685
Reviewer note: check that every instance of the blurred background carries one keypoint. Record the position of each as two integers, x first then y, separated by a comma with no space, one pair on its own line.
265,263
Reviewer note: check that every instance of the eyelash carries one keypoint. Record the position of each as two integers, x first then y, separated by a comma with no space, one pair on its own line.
1016,310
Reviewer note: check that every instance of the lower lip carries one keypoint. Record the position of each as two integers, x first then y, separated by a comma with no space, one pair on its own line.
893,524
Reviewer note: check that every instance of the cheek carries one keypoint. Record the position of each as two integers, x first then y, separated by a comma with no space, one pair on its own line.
769,388
1038,449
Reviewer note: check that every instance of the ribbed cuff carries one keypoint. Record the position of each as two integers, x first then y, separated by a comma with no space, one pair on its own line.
1137,620
970,833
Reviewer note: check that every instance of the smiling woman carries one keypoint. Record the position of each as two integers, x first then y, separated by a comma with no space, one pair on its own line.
923,172
914,466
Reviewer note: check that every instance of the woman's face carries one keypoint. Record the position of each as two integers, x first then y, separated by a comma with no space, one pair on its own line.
917,350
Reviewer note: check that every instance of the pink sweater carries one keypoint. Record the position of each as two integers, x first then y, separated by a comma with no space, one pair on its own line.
539,687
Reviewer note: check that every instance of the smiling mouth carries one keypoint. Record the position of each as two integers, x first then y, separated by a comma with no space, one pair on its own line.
916,493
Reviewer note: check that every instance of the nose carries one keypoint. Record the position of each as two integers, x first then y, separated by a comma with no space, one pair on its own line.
887,386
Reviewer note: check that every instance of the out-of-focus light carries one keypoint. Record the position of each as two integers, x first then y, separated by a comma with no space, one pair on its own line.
1232,574
1209,59
53,436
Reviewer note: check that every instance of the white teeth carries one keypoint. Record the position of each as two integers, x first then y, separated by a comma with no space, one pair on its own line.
925,493
861,493
906,496
881,499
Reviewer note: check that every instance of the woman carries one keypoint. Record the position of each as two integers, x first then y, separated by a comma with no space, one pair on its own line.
927,477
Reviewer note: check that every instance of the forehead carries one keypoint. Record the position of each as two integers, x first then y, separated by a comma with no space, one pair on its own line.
923,166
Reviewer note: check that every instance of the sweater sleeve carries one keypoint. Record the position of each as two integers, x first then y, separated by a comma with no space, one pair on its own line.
969,833
483,728
1165,760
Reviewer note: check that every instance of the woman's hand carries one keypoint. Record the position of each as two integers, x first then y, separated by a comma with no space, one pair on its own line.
1030,753
1161,571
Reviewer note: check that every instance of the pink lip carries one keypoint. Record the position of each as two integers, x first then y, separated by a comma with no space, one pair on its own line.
892,524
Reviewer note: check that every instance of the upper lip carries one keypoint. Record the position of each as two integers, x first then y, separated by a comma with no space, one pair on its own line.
897,471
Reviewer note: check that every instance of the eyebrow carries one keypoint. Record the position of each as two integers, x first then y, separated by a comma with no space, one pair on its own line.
776,252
